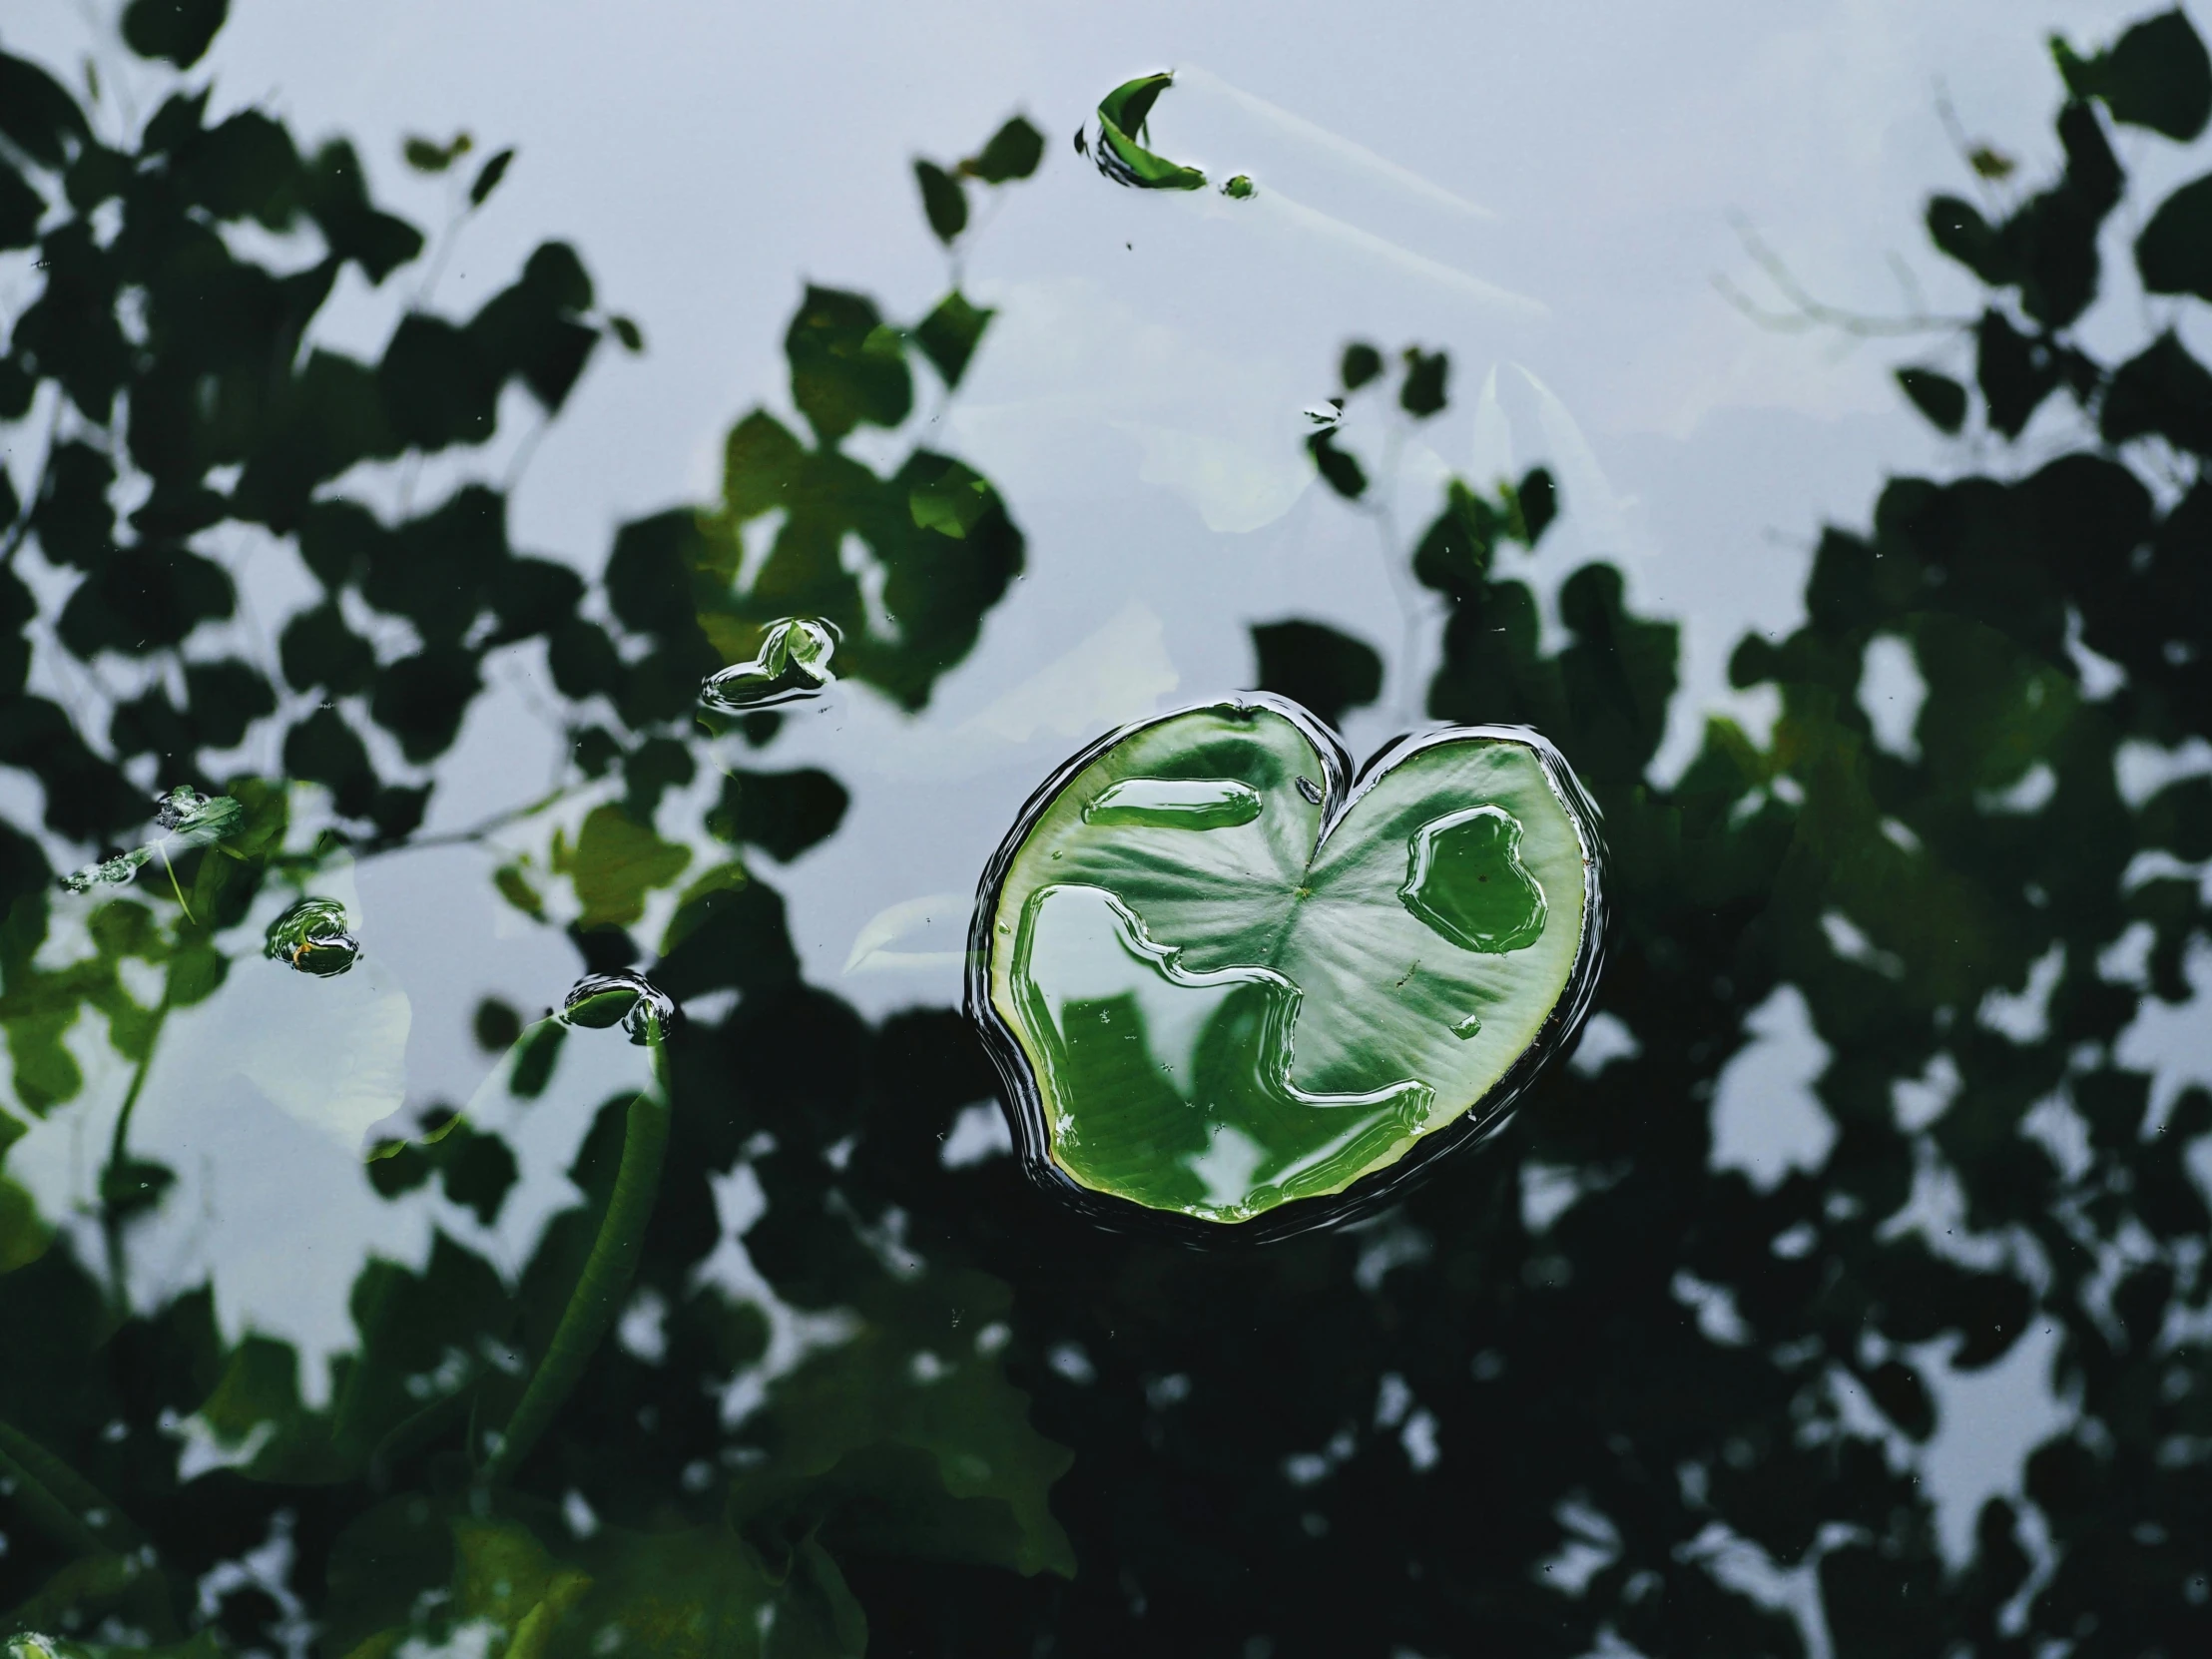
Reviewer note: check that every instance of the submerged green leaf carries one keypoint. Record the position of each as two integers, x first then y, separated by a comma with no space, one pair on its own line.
615,862
1012,152
1229,981
943,201
950,334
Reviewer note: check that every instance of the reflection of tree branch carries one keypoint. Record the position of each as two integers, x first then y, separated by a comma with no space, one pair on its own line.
474,832
111,1224
1807,313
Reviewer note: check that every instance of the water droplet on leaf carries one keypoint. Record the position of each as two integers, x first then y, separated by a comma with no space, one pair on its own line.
1175,804
1467,881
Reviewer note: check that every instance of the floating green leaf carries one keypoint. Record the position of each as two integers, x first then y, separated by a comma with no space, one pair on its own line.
1240,187
311,937
1122,115
792,665
1220,980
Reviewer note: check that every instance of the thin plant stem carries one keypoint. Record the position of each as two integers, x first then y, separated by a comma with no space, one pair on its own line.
162,847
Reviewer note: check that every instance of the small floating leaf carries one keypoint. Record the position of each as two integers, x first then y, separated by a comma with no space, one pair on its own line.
1122,114
1192,961
792,665
311,937
1240,187
194,819
601,1001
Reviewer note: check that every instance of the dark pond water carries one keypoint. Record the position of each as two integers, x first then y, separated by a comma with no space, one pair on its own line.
831,833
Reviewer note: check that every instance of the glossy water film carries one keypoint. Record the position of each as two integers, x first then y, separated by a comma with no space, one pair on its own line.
497,547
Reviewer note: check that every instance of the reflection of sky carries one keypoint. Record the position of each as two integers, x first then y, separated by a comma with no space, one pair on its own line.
1137,400
1542,191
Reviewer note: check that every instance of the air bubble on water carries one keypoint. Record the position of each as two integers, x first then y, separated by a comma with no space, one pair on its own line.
311,937
791,666
630,1000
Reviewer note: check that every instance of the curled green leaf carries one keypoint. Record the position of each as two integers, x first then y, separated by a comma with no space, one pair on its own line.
1122,115
310,938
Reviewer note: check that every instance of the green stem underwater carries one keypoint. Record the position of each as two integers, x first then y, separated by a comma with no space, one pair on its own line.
593,1304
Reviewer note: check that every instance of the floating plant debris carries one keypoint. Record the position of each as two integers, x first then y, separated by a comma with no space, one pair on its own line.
792,665
185,818
108,873
601,1001
1122,115
1240,187
312,938
1190,959
192,819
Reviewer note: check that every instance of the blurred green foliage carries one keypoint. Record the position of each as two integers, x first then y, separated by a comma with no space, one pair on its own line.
1648,1411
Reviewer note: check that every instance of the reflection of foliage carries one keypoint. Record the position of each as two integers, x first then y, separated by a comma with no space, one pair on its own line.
162,370
1626,1415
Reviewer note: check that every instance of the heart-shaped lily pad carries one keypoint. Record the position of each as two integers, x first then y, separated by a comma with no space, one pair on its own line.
1226,982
